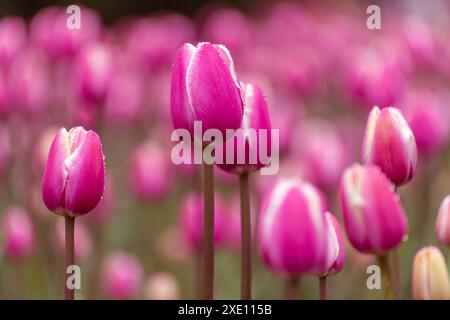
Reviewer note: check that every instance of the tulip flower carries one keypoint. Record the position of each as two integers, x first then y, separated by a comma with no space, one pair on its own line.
335,254
122,276
162,286
430,279
390,144
13,37
443,222
205,88
374,218
247,143
18,233
151,175
292,229
94,68
73,181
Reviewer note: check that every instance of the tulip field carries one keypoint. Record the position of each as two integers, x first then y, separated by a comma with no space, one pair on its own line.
274,150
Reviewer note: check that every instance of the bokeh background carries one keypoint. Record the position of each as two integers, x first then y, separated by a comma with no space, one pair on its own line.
321,69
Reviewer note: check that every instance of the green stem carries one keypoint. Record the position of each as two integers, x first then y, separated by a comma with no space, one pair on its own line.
69,294
386,281
323,287
246,252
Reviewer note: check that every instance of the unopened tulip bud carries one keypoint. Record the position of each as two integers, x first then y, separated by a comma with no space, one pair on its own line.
205,88
93,71
192,221
151,175
246,143
389,144
162,286
122,276
374,218
336,246
443,222
74,175
18,233
430,275
292,228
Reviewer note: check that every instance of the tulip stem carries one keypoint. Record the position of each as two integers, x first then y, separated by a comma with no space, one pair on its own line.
69,293
291,289
396,272
323,288
386,280
207,274
246,251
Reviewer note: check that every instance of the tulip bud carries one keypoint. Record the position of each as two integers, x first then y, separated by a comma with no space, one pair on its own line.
18,233
74,174
430,276
13,37
192,221
93,71
162,286
83,241
390,144
205,88
151,175
292,228
247,137
443,222
373,215
336,246
122,276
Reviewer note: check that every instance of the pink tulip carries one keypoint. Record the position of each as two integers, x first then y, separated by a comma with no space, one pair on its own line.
336,246
191,218
292,229
205,88
18,233
428,119
74,174
83,241
122,276
430,279
5,96
94,68
373,215
13,37
322,168
442,228
49,31
29,82
151,173
255,119
5,150
390,144
162,286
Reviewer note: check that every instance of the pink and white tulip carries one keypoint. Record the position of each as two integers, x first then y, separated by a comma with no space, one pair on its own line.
442,228
205,88
292,229
74,175
389,143
18,233
336,246
374,218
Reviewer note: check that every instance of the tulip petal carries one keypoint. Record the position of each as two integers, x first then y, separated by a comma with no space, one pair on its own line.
86,179
183,115
55,173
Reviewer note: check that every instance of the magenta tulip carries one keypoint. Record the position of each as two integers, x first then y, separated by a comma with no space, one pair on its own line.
122,276
151,175
18,233
374,218
292,229
74,174
389,143
442,228
336,246
247,138
13,37
205,88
